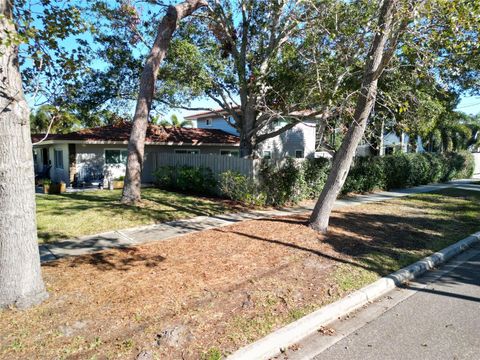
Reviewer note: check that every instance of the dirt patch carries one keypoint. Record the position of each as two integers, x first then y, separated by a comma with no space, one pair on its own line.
211,292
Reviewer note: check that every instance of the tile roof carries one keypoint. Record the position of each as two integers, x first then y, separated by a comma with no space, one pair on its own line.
155,134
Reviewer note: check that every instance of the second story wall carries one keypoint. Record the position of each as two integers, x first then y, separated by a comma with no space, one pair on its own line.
299,138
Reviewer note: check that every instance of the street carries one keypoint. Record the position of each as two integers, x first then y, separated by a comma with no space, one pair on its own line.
435,317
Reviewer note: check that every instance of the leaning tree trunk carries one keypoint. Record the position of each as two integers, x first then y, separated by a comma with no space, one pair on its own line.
136,146
376,61
21,282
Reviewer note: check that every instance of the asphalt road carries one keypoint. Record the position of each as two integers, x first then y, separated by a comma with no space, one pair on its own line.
435,317
439,321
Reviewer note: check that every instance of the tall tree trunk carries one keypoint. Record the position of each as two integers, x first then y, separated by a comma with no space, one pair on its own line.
377,59
21,282
247,142
136,146
246,147
321,127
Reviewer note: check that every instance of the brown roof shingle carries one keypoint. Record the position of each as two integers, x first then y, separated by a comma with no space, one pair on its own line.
155,134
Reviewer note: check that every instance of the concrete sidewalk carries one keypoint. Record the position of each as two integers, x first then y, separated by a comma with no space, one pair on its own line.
167,230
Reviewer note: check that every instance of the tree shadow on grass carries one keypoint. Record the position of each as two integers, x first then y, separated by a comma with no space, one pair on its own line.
71,215
382,243
173,203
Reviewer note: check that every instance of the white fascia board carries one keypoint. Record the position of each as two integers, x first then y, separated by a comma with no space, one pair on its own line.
106,142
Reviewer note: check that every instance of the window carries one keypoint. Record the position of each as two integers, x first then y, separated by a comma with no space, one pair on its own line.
299,154
116,156
267,154
234,153
58,159
187,151
208,122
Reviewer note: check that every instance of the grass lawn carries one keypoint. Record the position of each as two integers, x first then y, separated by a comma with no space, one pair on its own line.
204,295
90,212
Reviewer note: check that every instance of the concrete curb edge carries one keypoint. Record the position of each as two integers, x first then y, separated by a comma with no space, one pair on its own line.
271,345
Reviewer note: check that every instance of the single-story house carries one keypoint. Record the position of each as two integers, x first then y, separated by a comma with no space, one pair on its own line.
101,152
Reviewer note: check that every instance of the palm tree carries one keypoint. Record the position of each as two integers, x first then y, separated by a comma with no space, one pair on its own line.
453,132
174,122
48,118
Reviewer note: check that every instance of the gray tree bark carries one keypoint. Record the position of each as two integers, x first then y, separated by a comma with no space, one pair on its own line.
247,135
378,57
136,146
21,283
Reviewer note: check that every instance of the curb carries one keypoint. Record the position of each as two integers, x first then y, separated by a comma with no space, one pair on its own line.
272,344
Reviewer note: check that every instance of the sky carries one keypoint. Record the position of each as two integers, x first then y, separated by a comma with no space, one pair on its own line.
468,104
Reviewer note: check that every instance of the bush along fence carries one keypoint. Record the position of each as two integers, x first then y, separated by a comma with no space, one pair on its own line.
291,181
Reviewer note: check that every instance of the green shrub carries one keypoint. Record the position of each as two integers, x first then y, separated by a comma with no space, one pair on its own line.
436,167
198,180
367,174
283,183
460,165
292,181
407,170
468,165
315,174
397,170
165,177
419,170
238,187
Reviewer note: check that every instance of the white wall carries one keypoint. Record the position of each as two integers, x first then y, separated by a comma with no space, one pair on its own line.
476,156
392,140
90,161
300,137
59,174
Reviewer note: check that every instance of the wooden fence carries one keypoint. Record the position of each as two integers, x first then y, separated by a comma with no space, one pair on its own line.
217,163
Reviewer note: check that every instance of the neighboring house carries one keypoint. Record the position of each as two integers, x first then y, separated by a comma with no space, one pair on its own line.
391,143
91,154
298,142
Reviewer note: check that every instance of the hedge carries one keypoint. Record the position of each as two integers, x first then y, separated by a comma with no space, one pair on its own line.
407,170
292,181
199,180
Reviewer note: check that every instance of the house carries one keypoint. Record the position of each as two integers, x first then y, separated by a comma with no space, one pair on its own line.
392,143
92,154
297,142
